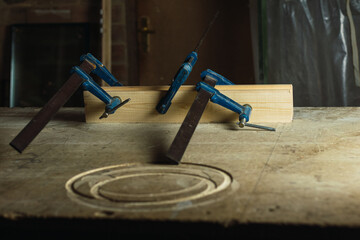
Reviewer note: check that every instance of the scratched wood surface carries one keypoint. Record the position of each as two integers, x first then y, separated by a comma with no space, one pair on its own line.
307,172
270,103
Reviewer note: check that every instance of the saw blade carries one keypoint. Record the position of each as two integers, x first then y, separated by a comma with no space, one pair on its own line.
39,121
187,129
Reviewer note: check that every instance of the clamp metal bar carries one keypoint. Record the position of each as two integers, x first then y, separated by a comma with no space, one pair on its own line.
39,121
187,129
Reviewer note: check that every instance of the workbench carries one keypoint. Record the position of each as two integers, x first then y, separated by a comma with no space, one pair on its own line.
301,180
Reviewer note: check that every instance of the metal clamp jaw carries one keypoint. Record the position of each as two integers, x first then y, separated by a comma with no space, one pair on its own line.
100,70
219,79
217,97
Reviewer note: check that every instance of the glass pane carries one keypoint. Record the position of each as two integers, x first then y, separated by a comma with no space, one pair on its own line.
42,57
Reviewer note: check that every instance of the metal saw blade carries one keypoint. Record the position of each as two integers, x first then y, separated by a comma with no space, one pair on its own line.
187,129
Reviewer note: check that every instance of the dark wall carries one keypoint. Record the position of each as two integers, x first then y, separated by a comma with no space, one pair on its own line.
42,12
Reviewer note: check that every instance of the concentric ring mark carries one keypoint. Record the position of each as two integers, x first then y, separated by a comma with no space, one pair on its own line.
147,187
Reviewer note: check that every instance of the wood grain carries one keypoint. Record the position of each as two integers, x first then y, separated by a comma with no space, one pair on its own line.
305,174
271,103
106,35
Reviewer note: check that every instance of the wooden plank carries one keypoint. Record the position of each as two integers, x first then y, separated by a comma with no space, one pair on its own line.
271,103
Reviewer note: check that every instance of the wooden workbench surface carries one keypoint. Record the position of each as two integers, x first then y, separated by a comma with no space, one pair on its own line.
307,173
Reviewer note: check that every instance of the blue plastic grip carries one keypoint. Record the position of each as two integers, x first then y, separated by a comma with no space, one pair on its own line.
179,79
222,100
90,85
100,70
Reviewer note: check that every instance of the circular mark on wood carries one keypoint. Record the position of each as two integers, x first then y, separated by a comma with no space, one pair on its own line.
148,187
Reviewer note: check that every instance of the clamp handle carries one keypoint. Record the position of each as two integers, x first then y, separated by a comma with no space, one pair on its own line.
111,103
244,111
219,98
90,85
179,79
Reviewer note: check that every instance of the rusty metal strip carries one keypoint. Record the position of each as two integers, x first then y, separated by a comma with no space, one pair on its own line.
187,129
39,121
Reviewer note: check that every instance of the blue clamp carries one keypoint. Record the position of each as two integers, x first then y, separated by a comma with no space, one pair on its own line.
244,111
111,103
179,79
219,98
100,70
220,80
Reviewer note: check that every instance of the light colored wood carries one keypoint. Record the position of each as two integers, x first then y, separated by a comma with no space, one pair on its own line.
271,103
106,34
305,174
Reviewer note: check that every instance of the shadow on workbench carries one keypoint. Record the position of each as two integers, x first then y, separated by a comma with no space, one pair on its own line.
70,114
105,229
